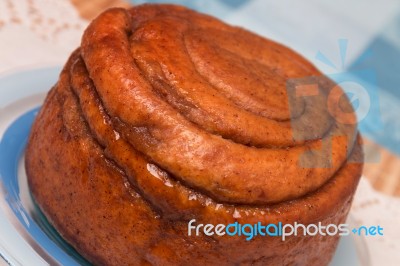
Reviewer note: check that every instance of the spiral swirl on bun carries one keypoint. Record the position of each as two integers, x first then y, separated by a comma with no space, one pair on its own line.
197,119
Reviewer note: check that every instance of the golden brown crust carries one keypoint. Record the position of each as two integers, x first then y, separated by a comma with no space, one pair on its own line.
129,65
128,146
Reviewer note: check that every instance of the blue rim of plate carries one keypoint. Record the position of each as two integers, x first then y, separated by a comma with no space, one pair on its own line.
12,147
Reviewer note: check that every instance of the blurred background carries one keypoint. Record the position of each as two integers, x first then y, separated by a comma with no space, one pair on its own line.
355,42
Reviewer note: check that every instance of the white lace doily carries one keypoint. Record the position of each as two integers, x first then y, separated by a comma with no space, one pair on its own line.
37,32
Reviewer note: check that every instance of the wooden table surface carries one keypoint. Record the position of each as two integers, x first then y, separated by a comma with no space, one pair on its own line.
382,168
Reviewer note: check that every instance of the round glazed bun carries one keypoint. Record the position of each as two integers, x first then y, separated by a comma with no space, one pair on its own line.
165,115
